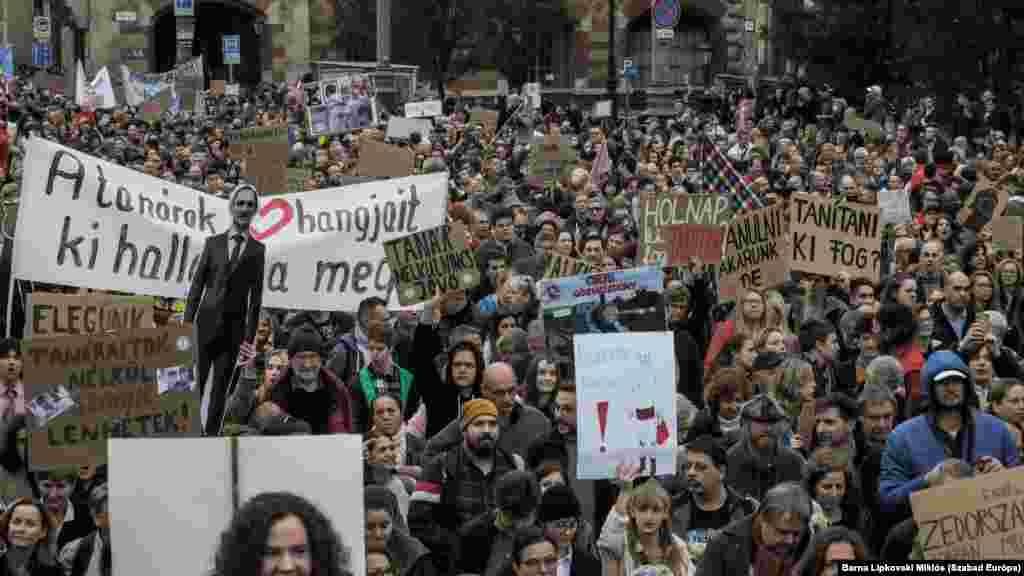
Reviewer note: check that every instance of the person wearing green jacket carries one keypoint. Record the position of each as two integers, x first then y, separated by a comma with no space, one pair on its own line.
381,376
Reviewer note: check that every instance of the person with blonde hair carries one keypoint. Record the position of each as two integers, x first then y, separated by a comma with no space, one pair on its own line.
637,533
749,320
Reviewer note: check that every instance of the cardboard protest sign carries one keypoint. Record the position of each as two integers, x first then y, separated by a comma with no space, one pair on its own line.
432,260
972,519
86,389
619,301
686,241
384,160
828,237
52,314
426,109
755,255
217,87
265,154
223,475
47,360
621,416
559,266
667,209
402,128
1008,232
489,118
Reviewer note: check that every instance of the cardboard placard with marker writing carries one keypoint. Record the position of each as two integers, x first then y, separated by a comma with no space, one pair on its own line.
657,212
755,255
264,152
828,237
384,160
1008,232
686,241
52,314
84,389
972,519
437,259
559,266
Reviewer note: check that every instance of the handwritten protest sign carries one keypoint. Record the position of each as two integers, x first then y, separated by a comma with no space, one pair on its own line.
669,209
265,154
118,229
48,359
53,314
1008,232
384,160
85,389
626,399
686,241
828,237
755,252
981,518
559,266
432,260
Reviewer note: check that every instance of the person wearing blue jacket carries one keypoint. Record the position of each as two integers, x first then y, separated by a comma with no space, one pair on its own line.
952,427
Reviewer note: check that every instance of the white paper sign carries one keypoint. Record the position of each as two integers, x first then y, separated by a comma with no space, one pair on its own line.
626,398
89,223
147,481
426,109
895,206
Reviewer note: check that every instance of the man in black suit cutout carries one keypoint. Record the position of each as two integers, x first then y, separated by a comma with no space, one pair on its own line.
224,302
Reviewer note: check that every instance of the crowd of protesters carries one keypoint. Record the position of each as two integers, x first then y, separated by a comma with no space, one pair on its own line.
808,413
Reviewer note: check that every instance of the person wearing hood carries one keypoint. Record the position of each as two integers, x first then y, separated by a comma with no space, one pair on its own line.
760,460
386,531
951,427
766,543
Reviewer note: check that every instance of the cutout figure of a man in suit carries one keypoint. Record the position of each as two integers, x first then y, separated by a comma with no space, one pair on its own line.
224,302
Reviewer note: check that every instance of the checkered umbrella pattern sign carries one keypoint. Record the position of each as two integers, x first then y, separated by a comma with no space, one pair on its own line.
722,178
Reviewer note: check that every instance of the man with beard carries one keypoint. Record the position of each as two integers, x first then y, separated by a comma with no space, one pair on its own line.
520,423
766,543
952,427
878,413
760,460
707,505
458,485
833,443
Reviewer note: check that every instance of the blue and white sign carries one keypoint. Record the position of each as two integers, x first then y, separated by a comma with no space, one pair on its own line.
233,49
184,8
41,54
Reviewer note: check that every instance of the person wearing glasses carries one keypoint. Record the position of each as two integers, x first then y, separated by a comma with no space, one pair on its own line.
534,553
559,515
224,302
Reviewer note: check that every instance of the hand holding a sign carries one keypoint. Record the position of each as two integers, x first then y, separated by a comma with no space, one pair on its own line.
624,475
987,465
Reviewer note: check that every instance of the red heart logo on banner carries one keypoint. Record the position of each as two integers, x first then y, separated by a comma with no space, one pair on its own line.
285,214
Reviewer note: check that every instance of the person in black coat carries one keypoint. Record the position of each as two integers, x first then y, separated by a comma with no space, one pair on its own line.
559,513
224,300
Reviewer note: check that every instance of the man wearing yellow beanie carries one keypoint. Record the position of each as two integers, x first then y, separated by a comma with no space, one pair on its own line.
458,485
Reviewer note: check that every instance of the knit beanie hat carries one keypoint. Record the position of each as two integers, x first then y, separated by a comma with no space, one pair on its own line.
305,339
476,408
558,503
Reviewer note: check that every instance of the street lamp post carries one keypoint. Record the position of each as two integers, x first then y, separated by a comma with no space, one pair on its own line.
613,74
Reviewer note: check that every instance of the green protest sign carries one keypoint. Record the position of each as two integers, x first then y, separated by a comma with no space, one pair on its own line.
432,260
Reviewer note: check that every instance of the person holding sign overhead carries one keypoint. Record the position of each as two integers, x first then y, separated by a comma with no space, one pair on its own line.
224,302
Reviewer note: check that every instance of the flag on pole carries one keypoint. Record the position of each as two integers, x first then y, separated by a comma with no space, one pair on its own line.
720,177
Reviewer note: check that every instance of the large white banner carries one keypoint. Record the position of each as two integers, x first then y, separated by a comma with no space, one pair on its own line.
325,249
626,409
86,222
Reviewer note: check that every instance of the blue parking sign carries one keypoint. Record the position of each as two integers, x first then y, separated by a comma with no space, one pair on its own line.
184,8
41,54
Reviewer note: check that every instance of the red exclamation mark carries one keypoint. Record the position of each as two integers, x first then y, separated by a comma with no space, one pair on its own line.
602,421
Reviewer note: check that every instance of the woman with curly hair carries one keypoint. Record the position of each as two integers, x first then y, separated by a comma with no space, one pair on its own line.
280,533
26,528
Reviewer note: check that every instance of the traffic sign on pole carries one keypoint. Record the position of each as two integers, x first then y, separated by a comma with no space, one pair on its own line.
41,54
41,27
184,8
667,13
232,49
